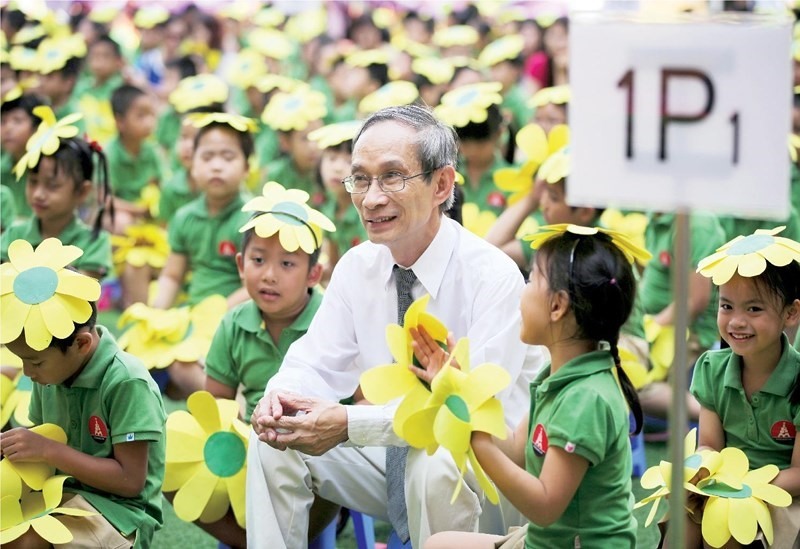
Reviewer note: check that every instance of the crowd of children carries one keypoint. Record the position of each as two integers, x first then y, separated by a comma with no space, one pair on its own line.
159,125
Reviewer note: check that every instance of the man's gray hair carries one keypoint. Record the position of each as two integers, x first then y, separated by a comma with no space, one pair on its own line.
436,142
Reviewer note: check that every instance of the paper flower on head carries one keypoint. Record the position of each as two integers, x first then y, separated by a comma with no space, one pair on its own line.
748,255
23,59
365,58
47,138
537,145
477,221
632,224
40,296
150,16
204,319
388,382
401,42
469,103
435,69
632,251
286,212
238,11
152,334
28,33
98,117
35,510
335,134
456,35
235,121
270,43
143,244
103,14
392,94
247,68
269,17
556,95
198,91
32,474
461,401
294,110
269,82
307,25
206,459
21,87
556,168
505,48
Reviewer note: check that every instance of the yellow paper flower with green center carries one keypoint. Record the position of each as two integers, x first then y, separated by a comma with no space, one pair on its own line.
307,25
435,69
288,111
40,296
748,255
388,382
456,35
150,16
537,146
632,251
392,94
477,221
365,58
469,103
206,459
153,333
237,122
270,43
204,321
556,168
335,134
33,474
269,82
143,244
198,91
556,95
47,138
502,49
286,212
98,117
23,59
461,401
248,67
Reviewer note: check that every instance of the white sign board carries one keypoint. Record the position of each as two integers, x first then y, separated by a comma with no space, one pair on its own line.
681,115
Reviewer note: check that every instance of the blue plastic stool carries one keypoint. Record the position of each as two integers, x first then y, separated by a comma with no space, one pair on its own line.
638,457
327,539
395,543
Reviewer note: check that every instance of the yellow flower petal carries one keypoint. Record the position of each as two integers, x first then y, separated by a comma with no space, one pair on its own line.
10,515
37,335
218,503
56,318
78,286
15,315
715,522
771,494
236,491
483,481
764,519
489,419
417,428
742,520
20,254
203,407
51,529
193,496
384,383
451,432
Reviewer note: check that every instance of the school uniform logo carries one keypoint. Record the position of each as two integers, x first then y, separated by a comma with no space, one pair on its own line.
783,432
496,199
664,258
227,248
539,440
98,429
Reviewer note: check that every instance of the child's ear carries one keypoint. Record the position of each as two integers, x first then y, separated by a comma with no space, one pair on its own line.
83,190
793,313
314,275
240,265
559,305
83,341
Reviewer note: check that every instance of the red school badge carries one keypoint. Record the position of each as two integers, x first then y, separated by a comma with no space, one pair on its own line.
539,440
227,248
496,199
664,258
98,429
783,432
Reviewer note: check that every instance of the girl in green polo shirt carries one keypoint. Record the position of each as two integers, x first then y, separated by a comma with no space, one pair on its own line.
575,443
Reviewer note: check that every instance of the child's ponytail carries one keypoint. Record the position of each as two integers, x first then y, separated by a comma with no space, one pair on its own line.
104,195
628,390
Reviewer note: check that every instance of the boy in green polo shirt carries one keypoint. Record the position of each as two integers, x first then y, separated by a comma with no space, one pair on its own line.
101,397
105,64
133,161
17,125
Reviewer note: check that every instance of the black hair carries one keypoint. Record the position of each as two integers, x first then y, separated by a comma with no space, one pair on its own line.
600,283
245,139
123,97
15,19
379,73
71,69
185,66
482,131
106,39
64,344
247,236
27,102
79,159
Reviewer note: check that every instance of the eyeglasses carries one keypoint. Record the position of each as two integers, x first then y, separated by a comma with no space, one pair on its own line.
389,182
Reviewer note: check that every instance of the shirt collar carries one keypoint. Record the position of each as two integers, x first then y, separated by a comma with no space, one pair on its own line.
200,207
251,320
782,379
92,374
582,366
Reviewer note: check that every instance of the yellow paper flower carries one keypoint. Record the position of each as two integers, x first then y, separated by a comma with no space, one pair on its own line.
335,134
270,43
21,87
47,138
143,244
28,34
794,144
636,371
247,68
150,16
98,117
153,333
502,49
103,14
198,91
35,510
240,10
469,103
392,94
204,321
286,212
632,224
7,391
307,25
556,168
206,459
235,121
748,255
388,382
436,69
632,251
269,17
401,42
365,58
456,35
461,402
23,59
556,95
477,221
294,110
40,296
32,474
269,82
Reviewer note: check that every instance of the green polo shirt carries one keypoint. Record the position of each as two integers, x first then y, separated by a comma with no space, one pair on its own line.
486,194
343,113
8,210
127,174
175,193
283,170
735,226
243,352
96,251
266,144
762,427
210,244
581,409
794,190
655,290
9,180
349,229
113,400
515,101
168,131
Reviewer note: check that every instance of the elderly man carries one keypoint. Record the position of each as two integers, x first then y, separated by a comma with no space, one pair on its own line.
304,441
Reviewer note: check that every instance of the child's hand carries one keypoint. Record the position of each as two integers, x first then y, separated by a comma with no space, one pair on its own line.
21,444
429,354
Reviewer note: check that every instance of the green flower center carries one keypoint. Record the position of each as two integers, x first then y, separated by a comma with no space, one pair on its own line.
722,490
35,285
751,244
224,454
290,213
467,98
459,408
293,104
24,383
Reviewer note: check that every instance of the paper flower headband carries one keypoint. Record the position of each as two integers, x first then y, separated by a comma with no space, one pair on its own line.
47,138
507,47
335,134
198,91
235,121
307,25
150,16
269,82
365,58
23,59
40,296
247,68
53,53
295,110
435,69
748,255
20,88
270,43
456,35
286,212
557,95
557,166
392,94
632,251
469,103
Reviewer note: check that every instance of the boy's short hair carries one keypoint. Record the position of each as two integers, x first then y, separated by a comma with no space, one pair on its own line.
247,236
27,102
245,139
379,73
106,39
71,69
64,344
185,66
123,97
482,131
